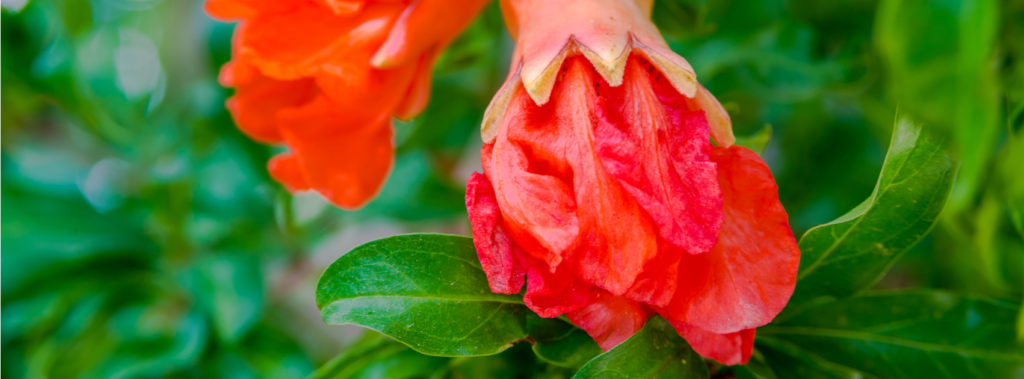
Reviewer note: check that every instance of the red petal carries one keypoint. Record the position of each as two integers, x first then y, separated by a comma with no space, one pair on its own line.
660,152
235,9
617,238
550,294
610,319
419,90
345,162
285,169
301,41
362,93
344,7
528,174
258,99
727,349
493,247
424,27
657,283
747,278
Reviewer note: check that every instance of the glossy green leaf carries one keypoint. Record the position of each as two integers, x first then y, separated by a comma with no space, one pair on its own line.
427,291
656,351
854,251
915,334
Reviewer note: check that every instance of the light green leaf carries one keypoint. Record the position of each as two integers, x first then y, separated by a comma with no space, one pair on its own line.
757,141
427,291
656,351
854,251
914,334
939,55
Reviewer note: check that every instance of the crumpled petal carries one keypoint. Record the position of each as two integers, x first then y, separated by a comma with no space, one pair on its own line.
660,152
656,284
416,31
259,99
346,163
296,58
609,193
605,32
527,167
305,40
362,93
552,293
494,248
616,240
609,319
748,277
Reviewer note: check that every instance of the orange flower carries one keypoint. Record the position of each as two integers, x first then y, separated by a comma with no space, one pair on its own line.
603,193
325,77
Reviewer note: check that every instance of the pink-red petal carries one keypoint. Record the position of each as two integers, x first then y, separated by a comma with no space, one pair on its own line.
527,169
609,319
748,277
728,349
660,153
616,239
493,247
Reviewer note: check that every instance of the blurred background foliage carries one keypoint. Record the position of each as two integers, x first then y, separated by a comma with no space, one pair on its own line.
142,236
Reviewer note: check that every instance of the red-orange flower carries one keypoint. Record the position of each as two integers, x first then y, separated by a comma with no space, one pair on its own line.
325,77
603,193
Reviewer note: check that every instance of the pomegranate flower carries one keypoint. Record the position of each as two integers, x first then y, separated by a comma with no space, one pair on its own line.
325,77
603,193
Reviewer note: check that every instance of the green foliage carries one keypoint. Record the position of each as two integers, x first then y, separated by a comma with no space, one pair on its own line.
427,291
906,334
939,55
143,237
656,351
560,343
852,252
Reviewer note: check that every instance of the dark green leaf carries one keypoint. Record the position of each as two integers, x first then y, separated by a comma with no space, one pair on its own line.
854,251
560,343
918,334
656,351
756,368
427,291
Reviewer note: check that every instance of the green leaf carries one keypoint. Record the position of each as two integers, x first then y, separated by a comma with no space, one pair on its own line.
560,343
854,251
756,368
229,287
757,141
913,334
426,291
376,356
656,351
939,55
